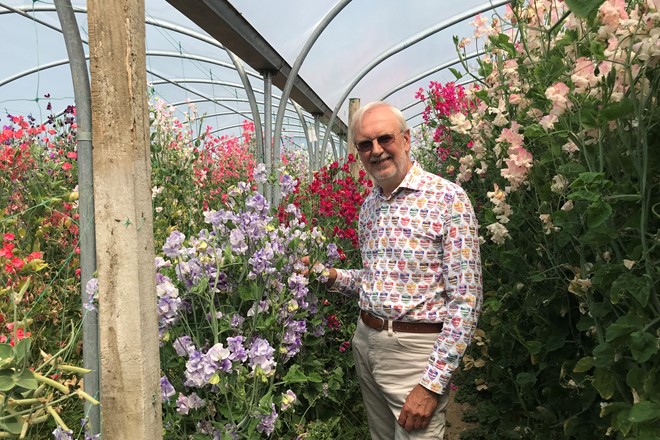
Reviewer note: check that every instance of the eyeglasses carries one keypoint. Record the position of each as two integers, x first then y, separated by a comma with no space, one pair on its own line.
384,140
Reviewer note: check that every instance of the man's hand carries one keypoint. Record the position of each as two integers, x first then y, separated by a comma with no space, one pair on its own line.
418,408
332,273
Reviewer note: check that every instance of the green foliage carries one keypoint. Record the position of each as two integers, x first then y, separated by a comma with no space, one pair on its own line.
566,187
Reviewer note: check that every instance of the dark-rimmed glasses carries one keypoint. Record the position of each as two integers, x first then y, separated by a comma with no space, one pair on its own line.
384,140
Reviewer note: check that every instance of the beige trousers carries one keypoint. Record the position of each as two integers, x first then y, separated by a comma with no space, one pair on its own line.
389,364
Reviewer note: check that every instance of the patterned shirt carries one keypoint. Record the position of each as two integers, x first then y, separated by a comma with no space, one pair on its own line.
421,263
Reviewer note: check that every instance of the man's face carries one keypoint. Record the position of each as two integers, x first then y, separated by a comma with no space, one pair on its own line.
387,164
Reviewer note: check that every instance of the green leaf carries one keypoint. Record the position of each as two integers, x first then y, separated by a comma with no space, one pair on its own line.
583,365
456,73
12,425
248,292
584,194
534,131
7,381
315,377
493,304
643,345
525,379
638,287
26,380
604,383
603,355
617,110
22,350
534,347
582,8
598,213
295,375
644,411
6,352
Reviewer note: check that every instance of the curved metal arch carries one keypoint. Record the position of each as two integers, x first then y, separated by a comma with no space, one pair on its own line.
188,56
224,99
320,27
430,72
159,23
404,45
149,53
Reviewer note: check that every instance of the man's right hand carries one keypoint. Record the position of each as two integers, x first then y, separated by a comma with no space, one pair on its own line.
332,273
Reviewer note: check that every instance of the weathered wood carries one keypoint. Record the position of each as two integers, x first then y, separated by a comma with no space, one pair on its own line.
130,370
353,106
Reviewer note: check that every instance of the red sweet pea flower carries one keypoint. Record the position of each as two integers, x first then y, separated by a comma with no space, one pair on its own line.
6,250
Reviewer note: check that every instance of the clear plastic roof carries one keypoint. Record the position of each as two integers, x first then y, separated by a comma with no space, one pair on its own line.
185,63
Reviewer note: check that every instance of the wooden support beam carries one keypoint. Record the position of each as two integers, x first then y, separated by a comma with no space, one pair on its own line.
353,106
130,367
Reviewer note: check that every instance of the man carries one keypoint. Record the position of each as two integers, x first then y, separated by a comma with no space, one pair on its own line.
420,286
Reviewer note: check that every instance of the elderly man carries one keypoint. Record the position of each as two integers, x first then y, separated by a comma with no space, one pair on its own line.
420,286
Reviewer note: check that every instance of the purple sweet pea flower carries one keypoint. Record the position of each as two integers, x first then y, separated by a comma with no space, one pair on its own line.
185,404
172,246
259,173
267,423
166,389
288,184
91,288
60,434
261,354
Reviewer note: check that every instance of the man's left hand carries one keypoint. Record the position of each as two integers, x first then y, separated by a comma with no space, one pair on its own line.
418,408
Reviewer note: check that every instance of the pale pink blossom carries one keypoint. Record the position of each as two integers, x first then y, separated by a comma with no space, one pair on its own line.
517,166
548,121
515,99
648,48
498,233
570,147
481,26
500,113
584,76
558,95
559,184
512,135
460,124
611,12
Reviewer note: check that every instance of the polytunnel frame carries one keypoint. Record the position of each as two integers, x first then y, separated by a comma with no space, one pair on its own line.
287,89
404,45
238,65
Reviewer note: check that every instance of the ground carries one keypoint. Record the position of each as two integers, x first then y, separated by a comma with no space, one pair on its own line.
455,423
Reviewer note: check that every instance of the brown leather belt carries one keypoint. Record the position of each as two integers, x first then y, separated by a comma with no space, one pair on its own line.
378,323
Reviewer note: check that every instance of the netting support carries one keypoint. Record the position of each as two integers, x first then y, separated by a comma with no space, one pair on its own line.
81,89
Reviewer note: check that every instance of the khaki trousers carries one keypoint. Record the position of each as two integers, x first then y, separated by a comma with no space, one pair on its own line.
389,364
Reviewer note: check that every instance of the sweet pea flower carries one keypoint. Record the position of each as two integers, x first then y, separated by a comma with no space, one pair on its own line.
166,388
267,423
261,355
287,400
172,246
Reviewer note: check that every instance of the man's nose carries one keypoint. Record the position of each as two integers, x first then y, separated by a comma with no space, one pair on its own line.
376,148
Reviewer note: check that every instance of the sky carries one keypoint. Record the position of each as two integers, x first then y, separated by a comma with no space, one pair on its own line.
360,34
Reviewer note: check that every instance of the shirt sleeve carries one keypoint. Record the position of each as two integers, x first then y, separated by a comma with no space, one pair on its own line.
461,271
347,282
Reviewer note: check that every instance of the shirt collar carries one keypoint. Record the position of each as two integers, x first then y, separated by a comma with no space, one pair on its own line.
413,180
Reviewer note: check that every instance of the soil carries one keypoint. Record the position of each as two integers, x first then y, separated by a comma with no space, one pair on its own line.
455,424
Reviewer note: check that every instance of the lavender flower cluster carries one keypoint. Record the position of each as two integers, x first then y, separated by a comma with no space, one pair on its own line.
233,304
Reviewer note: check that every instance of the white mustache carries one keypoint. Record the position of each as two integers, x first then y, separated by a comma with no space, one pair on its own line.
379,159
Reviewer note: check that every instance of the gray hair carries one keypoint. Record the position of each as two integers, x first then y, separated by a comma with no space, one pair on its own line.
357,117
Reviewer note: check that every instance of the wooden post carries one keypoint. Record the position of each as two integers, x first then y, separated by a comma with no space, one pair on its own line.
128,321
353,106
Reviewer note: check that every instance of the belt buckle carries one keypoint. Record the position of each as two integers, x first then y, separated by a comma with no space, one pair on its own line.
382,322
